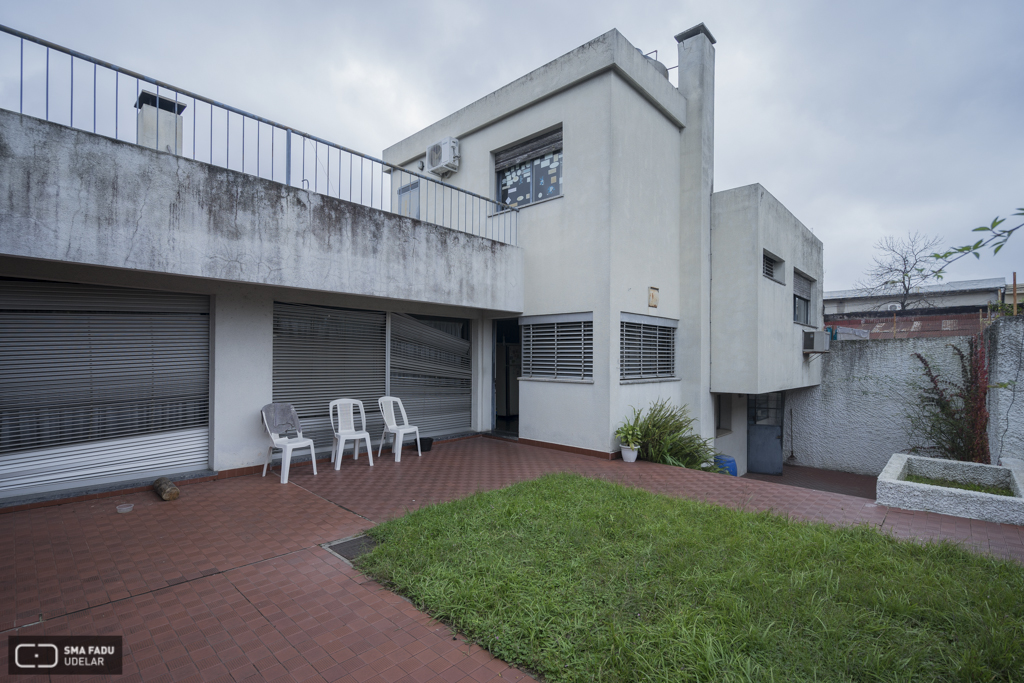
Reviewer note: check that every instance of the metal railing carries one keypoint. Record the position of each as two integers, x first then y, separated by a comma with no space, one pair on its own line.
225,136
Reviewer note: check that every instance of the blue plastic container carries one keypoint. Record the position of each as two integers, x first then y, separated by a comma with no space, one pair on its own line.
728,462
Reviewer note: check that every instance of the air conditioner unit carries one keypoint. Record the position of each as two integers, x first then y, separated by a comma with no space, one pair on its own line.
443,157
816,342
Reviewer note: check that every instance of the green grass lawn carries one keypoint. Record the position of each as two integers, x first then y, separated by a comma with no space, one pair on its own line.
583,580
982,488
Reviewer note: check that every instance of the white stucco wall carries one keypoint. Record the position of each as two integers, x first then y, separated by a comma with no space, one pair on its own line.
734,443
756,346
608,52
1006,403
855,420
242,377
611,234
636,212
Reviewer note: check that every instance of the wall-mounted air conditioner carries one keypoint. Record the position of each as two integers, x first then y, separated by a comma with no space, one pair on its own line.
816,342
443,157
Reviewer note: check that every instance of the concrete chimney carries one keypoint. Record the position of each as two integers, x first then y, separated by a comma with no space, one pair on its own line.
697,84
159,121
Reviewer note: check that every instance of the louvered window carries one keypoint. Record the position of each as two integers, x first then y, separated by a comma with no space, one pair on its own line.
768,266
647,347
558,346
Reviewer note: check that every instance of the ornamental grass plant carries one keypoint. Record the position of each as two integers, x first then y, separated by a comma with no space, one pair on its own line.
667,437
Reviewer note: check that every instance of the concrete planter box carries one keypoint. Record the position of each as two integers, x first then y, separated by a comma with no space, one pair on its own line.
893,491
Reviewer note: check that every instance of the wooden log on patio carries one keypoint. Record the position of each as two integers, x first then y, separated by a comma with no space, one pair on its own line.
166,489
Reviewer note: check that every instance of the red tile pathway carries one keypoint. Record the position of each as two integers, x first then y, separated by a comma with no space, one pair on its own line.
860,485
229,582
461,468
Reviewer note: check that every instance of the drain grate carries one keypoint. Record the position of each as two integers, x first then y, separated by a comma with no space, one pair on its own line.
353,548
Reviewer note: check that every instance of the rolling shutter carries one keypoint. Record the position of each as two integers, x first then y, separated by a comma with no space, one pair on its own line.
322,354
802,286
100,385
537,147
431,373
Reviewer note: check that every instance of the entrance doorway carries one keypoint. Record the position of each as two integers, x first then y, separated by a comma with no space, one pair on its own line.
507,368
764,433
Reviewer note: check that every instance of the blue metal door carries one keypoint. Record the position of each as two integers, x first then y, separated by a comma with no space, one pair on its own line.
764,433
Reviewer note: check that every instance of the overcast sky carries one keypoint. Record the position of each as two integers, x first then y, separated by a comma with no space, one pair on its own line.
864,118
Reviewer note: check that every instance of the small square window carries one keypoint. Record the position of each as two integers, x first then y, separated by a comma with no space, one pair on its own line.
764,409
773,268
723,413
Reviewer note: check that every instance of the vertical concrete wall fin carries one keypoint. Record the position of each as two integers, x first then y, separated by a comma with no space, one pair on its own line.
697,85
482,335
242,343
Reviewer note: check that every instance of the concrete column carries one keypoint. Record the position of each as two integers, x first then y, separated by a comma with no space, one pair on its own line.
482,336
241,374
697,84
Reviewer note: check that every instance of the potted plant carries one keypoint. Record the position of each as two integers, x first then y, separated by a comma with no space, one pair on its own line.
629,437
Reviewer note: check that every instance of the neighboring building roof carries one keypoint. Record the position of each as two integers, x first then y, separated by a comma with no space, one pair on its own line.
941,288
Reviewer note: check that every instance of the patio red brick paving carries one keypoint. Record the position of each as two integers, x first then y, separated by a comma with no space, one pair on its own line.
859,485
461,468
228,582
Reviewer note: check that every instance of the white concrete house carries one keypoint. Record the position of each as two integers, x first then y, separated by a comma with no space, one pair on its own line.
680,292
152,299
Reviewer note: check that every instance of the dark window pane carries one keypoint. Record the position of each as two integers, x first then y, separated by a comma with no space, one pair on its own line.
532,181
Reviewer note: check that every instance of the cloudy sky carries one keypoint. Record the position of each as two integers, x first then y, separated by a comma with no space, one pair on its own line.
864,118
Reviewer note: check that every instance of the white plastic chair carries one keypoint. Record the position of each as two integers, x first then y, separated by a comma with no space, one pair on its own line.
345,429
391,426
279,419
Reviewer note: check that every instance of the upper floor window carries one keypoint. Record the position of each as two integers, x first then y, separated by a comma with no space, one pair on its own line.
531,171
802,298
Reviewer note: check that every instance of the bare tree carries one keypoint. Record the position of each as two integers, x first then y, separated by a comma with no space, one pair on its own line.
902,266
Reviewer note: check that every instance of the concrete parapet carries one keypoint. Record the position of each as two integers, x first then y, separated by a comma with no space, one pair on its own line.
71,196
